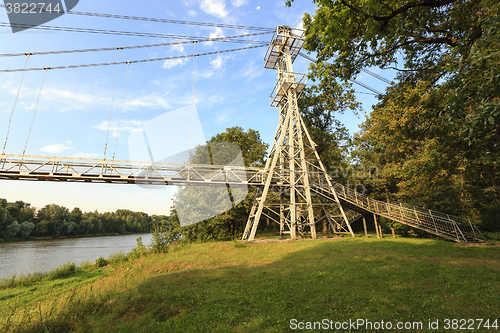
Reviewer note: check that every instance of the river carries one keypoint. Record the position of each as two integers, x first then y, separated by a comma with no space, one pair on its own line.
27,257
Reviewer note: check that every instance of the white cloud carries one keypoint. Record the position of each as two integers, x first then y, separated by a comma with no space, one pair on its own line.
178,48
214,7
222,118
217,62
216,33
258,8
125,126
252,71
192,13
206,74
170,63
239,3
148,101
87,155
55,148
54,94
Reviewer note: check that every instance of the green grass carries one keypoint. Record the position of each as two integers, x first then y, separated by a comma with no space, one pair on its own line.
260,287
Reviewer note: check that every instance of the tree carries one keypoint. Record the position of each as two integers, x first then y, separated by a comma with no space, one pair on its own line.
319,105
12,229
75,215
434,135
26,228
55,217
3,218
27,213
451,44
222,149
86,225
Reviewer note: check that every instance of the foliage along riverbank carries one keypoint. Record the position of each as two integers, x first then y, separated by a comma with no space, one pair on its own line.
242,287
18,220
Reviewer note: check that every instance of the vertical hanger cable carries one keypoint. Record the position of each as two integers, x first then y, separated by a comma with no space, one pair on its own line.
15,102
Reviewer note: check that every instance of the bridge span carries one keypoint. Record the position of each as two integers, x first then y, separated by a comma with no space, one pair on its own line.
74,169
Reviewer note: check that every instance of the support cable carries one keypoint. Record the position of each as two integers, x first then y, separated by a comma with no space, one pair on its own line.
161,20
36,108
198,39
121,109
15,102
103,31
357,82
152,19
192,98
112,98
134,61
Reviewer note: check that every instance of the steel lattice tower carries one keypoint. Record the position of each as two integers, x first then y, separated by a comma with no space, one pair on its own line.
298,192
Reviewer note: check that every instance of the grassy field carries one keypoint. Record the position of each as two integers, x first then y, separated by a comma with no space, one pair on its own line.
261,287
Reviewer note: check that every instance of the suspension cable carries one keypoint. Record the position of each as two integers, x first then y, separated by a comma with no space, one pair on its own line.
161,20
152,19
121,109
15,102
198,39
101,31
375,75
134,61
36,108
192,99
112,98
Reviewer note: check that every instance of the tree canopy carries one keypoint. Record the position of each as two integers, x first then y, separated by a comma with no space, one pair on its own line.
229,221
434,134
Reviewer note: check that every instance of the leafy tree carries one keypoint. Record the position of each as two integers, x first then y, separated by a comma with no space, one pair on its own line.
435,133
14,209
26,228
75,215
27,213
319,105
13,229
220,150
86,225
3,218
55,216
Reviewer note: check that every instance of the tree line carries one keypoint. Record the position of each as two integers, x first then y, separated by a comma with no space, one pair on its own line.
20,220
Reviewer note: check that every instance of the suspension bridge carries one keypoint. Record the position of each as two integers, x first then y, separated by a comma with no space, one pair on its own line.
294,189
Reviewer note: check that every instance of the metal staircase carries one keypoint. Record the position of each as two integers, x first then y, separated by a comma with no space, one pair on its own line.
444,225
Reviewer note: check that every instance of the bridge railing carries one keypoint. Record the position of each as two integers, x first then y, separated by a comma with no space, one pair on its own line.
452,227
445,225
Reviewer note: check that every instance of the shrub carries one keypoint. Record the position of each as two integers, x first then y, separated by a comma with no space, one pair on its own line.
101,262
139,250
63,271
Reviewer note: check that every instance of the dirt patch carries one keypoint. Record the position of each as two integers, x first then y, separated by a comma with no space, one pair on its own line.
479,244
287,240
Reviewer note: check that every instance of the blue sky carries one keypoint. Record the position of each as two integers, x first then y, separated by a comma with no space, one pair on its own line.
232,89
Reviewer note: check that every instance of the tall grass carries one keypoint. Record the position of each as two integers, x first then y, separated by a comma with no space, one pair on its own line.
250,287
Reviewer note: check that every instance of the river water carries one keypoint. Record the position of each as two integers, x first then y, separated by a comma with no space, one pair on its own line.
23,258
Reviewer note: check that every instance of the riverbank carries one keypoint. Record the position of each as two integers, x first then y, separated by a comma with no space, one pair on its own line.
24,258
35,238
244,287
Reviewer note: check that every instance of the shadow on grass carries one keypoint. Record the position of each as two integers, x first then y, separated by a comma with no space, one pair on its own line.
252,291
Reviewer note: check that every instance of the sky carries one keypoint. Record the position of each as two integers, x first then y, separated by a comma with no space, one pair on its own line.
73,111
